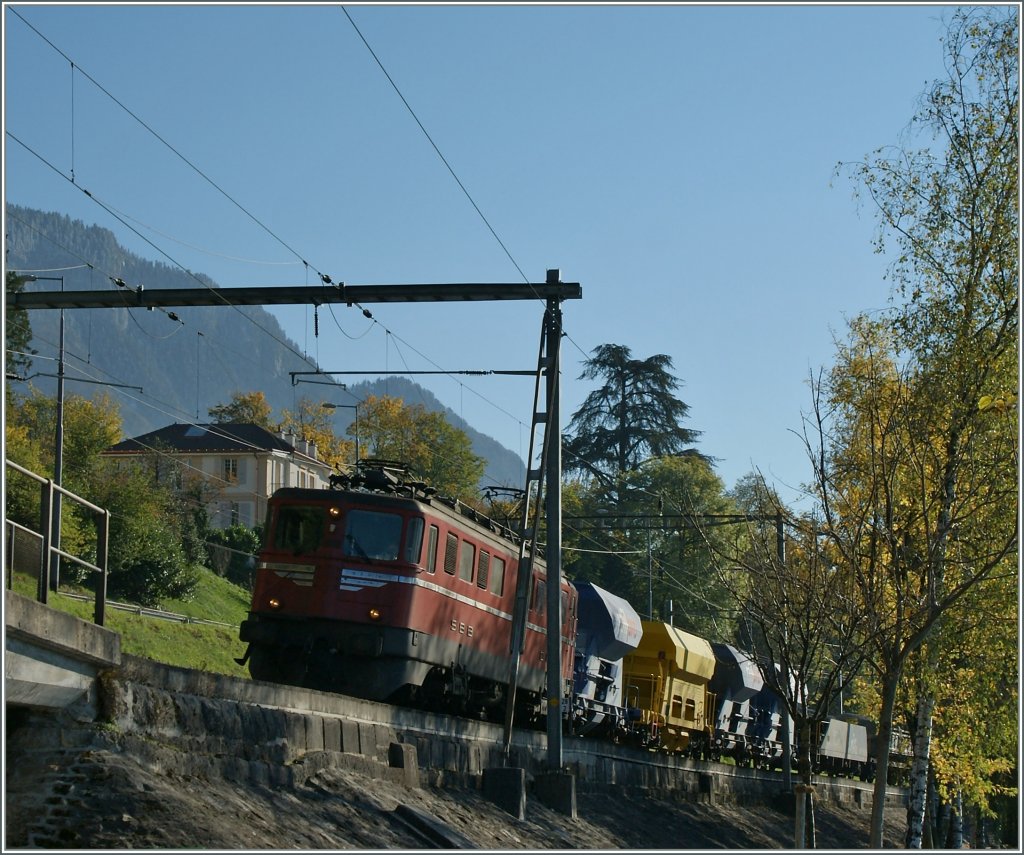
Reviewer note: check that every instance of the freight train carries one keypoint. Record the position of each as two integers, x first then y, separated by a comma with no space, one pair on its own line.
381,589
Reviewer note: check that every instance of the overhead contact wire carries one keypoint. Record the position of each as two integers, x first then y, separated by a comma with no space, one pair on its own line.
430,139
173,261
184,159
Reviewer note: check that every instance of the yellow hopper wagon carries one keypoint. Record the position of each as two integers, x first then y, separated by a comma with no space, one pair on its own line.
666,681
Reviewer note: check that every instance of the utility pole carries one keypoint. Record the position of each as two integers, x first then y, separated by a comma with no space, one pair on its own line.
53,559
650,575
327,405
553,558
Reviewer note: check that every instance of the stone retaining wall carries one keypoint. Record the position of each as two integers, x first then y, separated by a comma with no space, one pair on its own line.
247,730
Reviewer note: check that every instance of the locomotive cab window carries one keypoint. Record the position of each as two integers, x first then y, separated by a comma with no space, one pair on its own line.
372,534
298,529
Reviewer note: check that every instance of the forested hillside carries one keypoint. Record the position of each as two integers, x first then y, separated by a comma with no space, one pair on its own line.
184,360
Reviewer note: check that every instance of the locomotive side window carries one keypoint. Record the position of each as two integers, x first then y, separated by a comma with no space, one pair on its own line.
451,552
540,597
482,567
466,561
432,550
299,529
371,534
496,583
414,540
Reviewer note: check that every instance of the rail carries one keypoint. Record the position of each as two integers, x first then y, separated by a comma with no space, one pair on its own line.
47,580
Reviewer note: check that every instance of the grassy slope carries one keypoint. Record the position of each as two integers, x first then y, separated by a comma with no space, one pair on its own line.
188,645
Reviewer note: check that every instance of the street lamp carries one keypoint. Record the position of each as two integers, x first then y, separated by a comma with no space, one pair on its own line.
327,405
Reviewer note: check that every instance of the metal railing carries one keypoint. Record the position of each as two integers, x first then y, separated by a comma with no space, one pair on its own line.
48,579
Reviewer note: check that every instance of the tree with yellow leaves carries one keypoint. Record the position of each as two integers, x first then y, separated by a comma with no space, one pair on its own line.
438,452
312,422
915,463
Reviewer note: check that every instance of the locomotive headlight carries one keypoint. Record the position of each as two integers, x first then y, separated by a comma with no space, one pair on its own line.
374,614
335,512
274,603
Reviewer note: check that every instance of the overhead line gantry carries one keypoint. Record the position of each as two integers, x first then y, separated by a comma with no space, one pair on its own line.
281,295
546,413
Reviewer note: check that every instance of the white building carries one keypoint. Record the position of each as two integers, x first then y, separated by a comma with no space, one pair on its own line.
243,464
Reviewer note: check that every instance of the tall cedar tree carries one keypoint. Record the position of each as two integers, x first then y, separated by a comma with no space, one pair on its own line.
632,416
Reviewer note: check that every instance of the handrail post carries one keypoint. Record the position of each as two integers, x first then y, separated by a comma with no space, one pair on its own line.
102,541
10,554
46,513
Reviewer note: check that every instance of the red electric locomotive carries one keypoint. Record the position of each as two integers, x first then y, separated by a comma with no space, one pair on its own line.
379,589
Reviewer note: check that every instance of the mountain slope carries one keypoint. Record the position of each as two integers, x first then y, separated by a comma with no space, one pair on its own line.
182,367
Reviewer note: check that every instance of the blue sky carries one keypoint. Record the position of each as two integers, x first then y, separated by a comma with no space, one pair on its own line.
677,161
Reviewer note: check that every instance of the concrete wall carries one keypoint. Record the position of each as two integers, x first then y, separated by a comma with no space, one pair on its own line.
52,658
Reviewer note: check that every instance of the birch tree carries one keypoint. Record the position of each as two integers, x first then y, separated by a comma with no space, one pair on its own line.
920,517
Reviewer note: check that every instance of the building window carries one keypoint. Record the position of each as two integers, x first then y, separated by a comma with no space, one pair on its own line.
236,513
231,469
